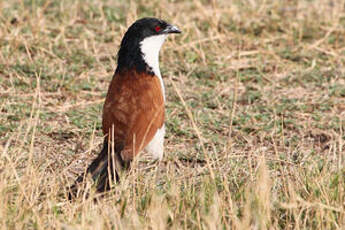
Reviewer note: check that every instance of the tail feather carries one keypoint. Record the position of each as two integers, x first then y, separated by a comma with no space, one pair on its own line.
101,170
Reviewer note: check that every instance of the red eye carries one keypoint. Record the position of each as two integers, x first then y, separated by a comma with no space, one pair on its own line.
157,28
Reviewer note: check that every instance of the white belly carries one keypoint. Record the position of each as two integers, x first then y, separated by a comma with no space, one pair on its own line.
156,145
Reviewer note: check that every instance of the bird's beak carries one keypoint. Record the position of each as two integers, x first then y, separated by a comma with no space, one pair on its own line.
170,29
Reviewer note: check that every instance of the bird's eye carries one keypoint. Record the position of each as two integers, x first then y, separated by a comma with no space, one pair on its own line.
157,28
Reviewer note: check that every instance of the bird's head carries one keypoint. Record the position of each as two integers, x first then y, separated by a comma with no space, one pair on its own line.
150,27
142,42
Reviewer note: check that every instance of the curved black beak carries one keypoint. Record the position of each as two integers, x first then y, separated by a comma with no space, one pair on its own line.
171,29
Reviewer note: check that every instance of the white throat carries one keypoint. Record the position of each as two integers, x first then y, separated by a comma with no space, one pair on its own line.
150,47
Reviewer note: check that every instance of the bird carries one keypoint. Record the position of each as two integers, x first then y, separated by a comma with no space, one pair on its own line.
133,111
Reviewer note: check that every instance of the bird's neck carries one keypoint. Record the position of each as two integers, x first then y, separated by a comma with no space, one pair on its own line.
150,48
143,56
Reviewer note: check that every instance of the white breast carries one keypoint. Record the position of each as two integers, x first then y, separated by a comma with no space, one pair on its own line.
156,145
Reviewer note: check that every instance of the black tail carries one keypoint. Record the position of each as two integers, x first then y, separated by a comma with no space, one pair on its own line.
100,169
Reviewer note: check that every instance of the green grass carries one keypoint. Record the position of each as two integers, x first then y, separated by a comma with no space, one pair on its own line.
254,88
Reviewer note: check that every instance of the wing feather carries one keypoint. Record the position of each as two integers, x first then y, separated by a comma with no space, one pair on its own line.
134,106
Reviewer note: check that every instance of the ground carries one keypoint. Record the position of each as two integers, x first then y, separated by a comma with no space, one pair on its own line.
255,115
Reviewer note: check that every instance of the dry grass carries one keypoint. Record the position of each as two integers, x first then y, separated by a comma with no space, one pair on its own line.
256,88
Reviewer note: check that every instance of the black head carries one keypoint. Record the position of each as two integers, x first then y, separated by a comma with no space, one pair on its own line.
129,55
146,27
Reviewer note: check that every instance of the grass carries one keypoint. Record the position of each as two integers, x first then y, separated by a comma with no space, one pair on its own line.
255,88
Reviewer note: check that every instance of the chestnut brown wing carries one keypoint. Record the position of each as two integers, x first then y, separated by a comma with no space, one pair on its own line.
134,106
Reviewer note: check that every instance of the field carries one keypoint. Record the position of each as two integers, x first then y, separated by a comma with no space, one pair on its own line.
255,115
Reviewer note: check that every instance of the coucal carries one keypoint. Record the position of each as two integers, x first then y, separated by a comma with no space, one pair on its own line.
133,112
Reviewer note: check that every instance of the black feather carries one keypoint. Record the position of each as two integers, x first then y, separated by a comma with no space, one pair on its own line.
100,168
